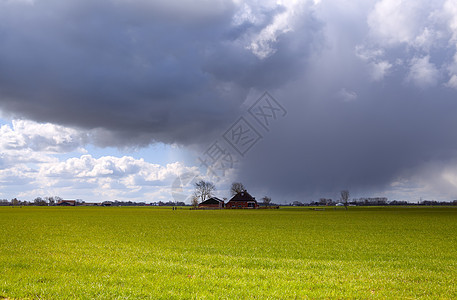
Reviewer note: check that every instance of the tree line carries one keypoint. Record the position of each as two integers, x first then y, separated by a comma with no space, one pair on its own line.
38,201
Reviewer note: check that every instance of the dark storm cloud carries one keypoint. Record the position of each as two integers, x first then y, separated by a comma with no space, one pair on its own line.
135,71
362,121
362,147
368,101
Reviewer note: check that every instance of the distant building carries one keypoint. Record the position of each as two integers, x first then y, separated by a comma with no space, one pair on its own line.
212,203
90,204
242,200
66,203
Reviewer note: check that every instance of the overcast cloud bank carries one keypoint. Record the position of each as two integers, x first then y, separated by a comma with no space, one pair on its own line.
370,88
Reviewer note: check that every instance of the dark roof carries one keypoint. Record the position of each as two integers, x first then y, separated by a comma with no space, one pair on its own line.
213,200
243,196
67,202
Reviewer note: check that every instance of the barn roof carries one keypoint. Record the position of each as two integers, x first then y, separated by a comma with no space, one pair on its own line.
243,196
213,200
67,202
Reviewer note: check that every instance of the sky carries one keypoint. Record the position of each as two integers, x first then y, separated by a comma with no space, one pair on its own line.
135,100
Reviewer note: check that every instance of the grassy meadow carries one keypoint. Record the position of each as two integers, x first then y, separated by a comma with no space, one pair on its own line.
290,253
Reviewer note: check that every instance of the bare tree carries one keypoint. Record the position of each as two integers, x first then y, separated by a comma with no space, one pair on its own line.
237,187
38,201
266,200
194,201
53,200
204,189
50,200
345,198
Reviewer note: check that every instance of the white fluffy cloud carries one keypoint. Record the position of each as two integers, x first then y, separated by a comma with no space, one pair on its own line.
95,179
452,82
379,67
30,166
394,22
28,142
111,176
422,72
49,138
425,30
450,11
120,168
262,43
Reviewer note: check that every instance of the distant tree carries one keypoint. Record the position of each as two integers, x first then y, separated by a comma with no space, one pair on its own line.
14,202
325,201
345,198
236,188
194,201
53,200
204,189
38,201
50,200
266,200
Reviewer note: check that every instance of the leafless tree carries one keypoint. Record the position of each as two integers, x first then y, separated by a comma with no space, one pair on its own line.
345,198
38,201
50,200
204,189
266,200
236,188
194,202
53,200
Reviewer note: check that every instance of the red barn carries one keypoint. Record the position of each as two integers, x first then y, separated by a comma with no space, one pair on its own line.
242,200
212,203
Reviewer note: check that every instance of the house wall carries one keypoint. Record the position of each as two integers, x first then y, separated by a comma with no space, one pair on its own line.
240,204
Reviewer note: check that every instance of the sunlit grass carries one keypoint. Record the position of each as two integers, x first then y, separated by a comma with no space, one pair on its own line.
144,252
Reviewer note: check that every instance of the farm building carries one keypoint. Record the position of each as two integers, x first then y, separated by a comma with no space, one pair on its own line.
242,200
90,204
67,203
212,203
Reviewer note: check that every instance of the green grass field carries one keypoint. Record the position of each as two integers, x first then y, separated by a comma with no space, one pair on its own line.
145,252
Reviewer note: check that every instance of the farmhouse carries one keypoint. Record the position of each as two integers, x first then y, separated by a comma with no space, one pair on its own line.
67,203
212,203
242,200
